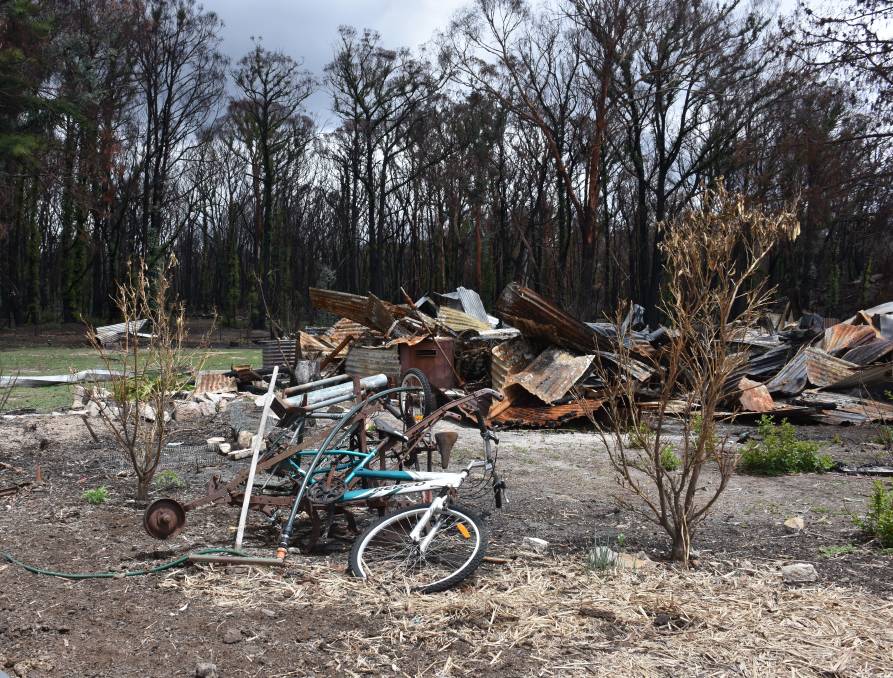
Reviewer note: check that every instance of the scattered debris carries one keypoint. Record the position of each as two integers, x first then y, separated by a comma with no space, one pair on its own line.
797,524
799,573
537,544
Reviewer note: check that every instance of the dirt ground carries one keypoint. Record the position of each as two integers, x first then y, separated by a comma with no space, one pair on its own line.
313,620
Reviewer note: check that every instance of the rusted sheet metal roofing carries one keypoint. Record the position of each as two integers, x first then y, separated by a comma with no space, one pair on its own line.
838,408
864,376
214,382
508,358
364,361
539,318
768,363
791,379
633,368
551,374
546,416
811,366
826,370
459,321
843,336
870,352
345,328
368,311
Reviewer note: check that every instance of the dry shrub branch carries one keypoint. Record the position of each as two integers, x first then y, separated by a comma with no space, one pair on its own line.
714,287
149,370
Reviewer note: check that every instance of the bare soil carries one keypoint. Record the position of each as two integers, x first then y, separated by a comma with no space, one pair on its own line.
561,490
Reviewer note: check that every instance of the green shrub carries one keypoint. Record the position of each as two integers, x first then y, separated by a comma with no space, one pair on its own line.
885,437
168,481
640,435
697,427
878,522
780,451
669,459
832,551
96,496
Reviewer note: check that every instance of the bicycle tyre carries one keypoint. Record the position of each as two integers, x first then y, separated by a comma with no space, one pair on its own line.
429,398
467,567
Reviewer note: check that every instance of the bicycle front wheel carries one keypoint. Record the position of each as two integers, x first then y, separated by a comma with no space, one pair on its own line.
386,553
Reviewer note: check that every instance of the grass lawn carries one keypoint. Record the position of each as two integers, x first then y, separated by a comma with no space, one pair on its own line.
56,360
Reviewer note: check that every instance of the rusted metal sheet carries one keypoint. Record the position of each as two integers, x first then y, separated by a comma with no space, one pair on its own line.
632,367
368,311
864,376
459,321
538,318
509,357
843,336
547,416
214,382
364,361
551,374
768,363
754,396
436,360
824,370
791,379
345,328
865,354
840,409
277,352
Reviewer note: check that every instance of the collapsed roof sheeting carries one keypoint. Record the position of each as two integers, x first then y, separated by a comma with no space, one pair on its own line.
546,416
838,408
508,358
870,352
459,321
538,318
842,336
551,374
369,311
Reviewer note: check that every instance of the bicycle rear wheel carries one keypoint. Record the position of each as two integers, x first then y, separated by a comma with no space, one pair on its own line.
385,552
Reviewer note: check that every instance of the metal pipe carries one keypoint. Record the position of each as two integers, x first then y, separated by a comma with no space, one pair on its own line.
319,383
323,394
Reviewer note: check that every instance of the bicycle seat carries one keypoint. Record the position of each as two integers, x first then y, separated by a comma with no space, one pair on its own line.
390,431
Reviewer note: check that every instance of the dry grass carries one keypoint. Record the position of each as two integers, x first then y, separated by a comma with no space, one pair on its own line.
554,618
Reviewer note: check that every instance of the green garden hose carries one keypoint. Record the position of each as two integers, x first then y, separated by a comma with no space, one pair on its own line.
176,562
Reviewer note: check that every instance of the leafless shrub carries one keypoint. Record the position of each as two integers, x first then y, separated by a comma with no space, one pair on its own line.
713,288
149,370
7,383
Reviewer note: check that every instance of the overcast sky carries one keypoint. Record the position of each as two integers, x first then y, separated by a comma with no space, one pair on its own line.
307,29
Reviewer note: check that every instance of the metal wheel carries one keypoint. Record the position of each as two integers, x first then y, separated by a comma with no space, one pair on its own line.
418,404
386,553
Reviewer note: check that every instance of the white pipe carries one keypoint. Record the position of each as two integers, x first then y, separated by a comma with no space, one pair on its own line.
324,394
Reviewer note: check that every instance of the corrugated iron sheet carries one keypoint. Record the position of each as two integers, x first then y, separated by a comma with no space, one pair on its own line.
459,321
472,304
843,409
546,416
344,328
551,374
508,358
364,361
768,363
214,382
824,370
870,352
843,336
791,379
633,368
864,376
109,334
368,311
539,318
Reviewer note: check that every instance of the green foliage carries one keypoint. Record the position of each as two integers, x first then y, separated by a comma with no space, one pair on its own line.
96,496
832,551
669,460
885,437
781,451
169,481
640,435
878,522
